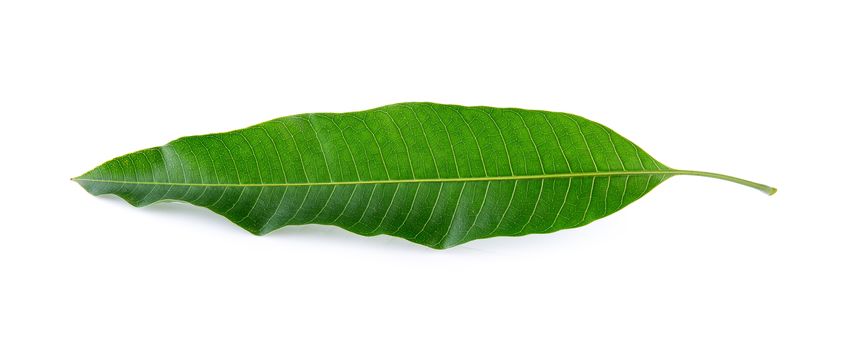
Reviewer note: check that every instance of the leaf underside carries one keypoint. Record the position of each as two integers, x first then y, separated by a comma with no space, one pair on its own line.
437,175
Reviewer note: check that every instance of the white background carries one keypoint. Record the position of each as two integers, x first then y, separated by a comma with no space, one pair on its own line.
752,89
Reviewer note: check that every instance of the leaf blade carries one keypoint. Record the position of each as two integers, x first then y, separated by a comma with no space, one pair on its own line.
438,175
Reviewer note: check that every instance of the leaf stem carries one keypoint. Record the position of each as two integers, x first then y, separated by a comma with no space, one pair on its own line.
761,187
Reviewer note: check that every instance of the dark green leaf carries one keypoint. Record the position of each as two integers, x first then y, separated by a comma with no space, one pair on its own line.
438,175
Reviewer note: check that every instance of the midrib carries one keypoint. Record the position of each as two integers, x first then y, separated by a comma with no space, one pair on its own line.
761,187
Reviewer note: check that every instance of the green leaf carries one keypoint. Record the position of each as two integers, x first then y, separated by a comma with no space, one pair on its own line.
438,175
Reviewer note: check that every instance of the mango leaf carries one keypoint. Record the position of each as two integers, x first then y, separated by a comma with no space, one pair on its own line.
434,174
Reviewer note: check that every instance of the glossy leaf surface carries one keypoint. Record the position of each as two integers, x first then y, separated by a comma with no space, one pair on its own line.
438,175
